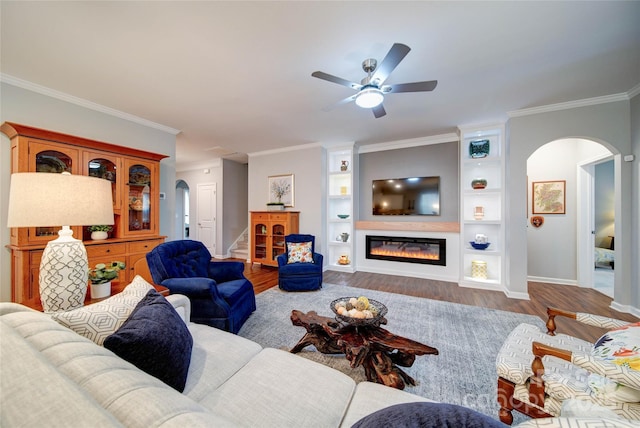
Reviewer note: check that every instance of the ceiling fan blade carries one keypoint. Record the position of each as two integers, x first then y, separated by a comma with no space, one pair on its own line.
341,102
378,111
411,87
396,54
340,81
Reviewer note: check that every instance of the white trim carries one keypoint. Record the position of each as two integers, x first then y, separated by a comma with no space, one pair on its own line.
14,81
284,150
560,281
569,105
627,309
634,91
413,142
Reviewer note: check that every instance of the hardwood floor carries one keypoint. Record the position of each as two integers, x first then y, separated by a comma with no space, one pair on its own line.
542,295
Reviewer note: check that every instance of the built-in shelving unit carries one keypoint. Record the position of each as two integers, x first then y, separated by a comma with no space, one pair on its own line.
341,191
482,211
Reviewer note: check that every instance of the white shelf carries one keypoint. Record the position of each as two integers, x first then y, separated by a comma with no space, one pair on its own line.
491,199
341,191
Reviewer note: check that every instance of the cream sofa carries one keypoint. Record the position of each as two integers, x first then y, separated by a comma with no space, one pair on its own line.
52,376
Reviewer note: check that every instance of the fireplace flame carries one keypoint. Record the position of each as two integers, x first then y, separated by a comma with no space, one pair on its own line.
405,254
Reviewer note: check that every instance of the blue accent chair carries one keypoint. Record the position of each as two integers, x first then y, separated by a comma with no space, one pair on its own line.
300,276
221,296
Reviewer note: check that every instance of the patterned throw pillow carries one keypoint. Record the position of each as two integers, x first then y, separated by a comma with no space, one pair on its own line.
621,347
99,320
299,252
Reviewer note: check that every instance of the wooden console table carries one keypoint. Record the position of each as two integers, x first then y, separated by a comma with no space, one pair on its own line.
377,350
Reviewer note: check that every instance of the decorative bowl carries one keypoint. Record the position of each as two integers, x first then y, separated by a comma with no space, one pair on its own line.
479,246
376,320
343,216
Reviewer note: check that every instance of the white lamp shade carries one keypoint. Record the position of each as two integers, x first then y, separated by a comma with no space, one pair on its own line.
369,98
38,199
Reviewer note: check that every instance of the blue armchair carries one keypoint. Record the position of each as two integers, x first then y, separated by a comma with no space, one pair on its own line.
221,296
300,275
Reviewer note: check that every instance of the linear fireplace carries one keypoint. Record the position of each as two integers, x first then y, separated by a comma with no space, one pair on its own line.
404,249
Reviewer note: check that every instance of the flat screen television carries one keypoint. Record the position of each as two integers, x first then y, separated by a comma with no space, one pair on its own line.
406,196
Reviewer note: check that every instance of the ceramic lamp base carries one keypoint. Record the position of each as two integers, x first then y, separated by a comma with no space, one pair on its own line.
64,273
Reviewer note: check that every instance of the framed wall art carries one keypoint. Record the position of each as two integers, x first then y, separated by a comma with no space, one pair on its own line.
548,197
281,189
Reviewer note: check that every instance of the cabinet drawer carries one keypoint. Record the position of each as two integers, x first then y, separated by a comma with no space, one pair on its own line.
278,217
94,251
143,246
260,216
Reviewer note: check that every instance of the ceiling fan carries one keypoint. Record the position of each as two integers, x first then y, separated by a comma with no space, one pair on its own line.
371,89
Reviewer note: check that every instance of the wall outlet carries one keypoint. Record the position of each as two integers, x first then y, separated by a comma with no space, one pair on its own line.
163,195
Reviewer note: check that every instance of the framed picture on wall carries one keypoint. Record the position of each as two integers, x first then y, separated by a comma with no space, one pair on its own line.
548,197
281,189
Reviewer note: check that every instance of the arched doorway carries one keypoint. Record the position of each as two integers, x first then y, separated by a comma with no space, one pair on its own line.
562,249
182,209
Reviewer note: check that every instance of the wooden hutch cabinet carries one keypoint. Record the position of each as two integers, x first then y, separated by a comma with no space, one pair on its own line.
135,178
268,229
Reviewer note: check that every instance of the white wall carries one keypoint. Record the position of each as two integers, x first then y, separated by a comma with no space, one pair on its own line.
41,111
551,249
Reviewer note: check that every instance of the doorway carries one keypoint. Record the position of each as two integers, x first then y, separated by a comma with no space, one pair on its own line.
561,250
182,210
206,213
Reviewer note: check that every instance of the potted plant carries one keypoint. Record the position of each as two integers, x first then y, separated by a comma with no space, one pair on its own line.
275,206
100,231
101,277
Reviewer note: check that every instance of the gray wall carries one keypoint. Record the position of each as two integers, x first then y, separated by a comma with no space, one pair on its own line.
33,109
635,200
307,164
608,123
422,161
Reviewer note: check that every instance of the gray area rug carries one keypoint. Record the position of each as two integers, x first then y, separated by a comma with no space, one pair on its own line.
468,339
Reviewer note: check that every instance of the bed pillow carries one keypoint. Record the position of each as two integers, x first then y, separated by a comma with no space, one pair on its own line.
99,320
427,415
156,340
300,252
620,346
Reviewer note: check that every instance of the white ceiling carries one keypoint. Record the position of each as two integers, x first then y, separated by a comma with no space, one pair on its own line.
236,76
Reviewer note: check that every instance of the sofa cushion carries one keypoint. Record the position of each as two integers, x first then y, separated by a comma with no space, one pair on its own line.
282,390
300,252
99,320
428,415
155,339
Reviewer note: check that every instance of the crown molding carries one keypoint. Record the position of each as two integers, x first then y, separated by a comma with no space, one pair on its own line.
33,87
413,142
284,150
569,105
634,91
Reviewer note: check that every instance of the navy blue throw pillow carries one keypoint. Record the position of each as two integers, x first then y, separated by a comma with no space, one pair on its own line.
156,340
427,415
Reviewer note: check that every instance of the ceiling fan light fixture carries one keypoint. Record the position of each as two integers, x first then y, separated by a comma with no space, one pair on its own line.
369,98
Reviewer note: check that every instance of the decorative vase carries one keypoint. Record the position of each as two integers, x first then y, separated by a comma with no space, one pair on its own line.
478,269
99,235
344,165
479,183
98,291
479,149
275,207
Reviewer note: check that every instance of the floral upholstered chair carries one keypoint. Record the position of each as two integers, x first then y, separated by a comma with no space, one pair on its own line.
300,267
541,374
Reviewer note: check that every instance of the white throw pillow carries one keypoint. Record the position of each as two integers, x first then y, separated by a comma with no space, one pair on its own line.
99,320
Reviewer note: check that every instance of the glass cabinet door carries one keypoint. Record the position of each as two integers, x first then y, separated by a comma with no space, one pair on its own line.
139,202
106,168
260,241
50,159
277,240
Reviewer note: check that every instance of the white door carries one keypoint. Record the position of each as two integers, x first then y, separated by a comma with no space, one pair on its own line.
207,216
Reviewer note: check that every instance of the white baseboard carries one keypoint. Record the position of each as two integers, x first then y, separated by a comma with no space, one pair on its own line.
560,281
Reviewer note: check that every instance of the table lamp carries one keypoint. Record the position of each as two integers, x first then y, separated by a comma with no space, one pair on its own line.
38,199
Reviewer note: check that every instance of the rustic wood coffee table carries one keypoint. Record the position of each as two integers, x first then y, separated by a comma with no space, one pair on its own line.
379,351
